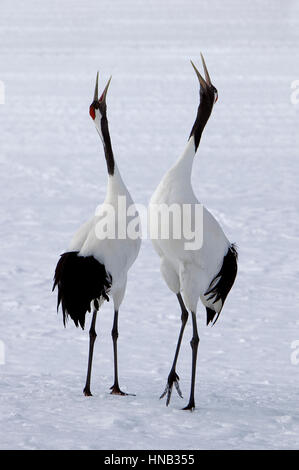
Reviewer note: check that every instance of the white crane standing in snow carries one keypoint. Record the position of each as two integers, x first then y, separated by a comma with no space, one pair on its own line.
96,267
208,272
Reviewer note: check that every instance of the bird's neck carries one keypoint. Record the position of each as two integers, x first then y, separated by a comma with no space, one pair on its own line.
203,113
183,166
107,146
116,185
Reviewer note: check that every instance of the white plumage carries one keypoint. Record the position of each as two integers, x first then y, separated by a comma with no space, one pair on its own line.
178,265
96,266
116,255
193,274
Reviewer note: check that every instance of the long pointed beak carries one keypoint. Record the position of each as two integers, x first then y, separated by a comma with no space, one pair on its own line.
208,80
96,91
103,96
201,80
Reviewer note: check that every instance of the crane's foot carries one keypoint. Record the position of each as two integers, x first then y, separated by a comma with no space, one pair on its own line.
115,390
87,392
190,406
173,379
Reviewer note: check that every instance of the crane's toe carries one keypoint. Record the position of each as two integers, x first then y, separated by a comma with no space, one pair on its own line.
87,392
173,379
190,406
115,390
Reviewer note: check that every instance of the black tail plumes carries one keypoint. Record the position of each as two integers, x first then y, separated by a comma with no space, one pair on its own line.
80,280
225,280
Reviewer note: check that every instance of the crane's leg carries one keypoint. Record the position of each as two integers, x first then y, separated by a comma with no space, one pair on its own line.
173,378
115,390
92,338
194,345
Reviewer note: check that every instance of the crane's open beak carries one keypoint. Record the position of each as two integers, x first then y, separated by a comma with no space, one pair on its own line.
208,80
96,90
98,101
200,78
203,82
102,99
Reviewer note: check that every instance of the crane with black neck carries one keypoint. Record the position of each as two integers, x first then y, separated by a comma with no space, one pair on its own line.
207,272
95,267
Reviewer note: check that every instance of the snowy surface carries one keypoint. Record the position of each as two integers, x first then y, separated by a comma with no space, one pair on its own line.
53,176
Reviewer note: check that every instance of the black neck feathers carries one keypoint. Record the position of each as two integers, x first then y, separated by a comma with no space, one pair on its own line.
107,145
203,113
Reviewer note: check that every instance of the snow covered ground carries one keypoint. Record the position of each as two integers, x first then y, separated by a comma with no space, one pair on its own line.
53,176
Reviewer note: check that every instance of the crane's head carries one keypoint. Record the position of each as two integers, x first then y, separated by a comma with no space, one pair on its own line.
98,107
207,90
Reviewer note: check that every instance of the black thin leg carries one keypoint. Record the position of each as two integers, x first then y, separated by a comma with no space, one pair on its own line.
115,390
92,338
194,345
173,378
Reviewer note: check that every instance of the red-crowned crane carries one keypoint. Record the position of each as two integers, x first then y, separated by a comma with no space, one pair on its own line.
208,272
95,267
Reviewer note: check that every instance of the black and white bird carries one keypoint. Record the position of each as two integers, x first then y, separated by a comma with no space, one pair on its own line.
206,273
95,267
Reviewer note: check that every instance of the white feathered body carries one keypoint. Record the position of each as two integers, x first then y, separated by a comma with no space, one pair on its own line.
189,271
117,255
